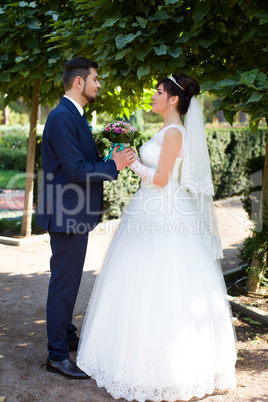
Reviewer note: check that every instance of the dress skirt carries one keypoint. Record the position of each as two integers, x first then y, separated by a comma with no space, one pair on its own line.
158,325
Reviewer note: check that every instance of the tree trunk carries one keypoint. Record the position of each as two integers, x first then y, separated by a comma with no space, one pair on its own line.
257,267
256,274
26,225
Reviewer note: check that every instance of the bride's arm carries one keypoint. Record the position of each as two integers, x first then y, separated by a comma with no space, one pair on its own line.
172,144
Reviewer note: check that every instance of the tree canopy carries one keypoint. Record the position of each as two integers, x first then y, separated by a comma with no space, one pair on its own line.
24,59
141,41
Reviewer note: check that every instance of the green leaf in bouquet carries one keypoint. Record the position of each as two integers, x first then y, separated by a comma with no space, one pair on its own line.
121,138
135,135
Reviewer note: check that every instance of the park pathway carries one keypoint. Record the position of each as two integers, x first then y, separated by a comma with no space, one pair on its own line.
24,277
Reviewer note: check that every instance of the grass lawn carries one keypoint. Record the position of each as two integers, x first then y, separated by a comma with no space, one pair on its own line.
12,179
12,227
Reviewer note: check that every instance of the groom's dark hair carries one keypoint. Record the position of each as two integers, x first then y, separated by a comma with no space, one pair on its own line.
77,66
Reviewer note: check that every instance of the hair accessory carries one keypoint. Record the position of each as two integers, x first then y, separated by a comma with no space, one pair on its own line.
170,77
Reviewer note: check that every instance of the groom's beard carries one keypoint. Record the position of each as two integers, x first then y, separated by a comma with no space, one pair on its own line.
89,99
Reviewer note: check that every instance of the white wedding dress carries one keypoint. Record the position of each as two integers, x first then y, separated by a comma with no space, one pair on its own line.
158,325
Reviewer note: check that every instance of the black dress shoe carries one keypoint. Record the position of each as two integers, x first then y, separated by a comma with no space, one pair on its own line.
73,345
67,368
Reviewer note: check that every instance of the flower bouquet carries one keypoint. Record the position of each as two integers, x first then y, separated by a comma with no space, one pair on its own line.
120,133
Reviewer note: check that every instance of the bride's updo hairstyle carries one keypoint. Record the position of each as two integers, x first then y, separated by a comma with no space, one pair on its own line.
183,86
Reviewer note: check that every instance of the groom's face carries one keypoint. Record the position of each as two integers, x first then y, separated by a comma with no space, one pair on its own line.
91,86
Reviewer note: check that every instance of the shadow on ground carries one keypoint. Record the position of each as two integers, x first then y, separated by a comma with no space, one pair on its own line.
23,345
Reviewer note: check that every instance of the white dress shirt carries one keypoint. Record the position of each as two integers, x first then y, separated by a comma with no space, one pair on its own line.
76,104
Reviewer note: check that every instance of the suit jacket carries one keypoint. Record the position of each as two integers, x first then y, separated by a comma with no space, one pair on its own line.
71,198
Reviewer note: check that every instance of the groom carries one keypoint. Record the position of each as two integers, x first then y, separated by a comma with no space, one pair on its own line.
70,204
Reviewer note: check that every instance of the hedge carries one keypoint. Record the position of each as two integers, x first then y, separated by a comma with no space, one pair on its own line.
14,130
228,148
13,159
13,152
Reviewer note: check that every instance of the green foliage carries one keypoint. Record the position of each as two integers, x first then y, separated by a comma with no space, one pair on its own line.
13,148
12,227
137,42
18,112
223,44
151,117
13,159
246,91
117,194
7,179
13,141
18,118
229,149
17,130
24,57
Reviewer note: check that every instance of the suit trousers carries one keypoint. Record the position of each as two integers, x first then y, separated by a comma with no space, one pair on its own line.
66,266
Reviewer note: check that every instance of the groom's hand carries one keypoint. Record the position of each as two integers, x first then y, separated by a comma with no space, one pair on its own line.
123,158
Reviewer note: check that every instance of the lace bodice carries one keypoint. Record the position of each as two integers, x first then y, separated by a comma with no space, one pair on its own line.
151,150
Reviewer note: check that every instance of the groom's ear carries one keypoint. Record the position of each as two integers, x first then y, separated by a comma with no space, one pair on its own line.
78,82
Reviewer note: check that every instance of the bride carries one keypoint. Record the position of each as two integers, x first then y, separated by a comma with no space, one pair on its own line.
158,325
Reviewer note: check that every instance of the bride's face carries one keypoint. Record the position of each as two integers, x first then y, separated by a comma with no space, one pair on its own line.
160,100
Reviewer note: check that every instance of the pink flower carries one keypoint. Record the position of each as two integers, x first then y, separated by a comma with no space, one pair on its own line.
118,130
126,130
106,129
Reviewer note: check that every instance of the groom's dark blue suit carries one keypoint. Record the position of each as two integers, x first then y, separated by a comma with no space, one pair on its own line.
70,205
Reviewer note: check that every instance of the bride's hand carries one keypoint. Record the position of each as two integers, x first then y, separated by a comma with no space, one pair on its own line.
137,156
